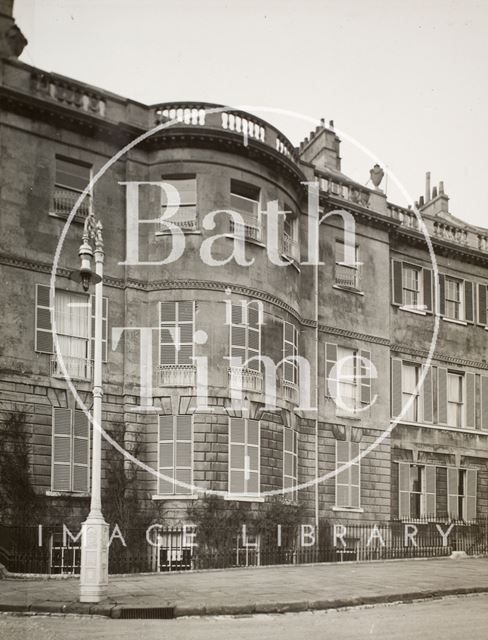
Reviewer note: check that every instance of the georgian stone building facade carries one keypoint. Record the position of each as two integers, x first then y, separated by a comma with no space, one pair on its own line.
57,133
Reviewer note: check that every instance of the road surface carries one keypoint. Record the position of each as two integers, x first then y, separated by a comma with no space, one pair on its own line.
446,619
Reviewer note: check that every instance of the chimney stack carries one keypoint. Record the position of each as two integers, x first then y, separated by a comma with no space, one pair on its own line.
427,186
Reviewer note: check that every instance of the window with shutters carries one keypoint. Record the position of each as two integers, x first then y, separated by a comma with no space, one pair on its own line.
290,350
72,178
182,204
175,455
346,275
412,287
291,247
482,304
244,457
461,489
75,327
70,451
177,326
347,481
453,298
245,200
412,293
348,378
417,488
410,392
290,457
245,346
455,399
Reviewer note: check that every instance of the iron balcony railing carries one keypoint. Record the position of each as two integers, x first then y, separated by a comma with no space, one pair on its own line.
65,199
77,368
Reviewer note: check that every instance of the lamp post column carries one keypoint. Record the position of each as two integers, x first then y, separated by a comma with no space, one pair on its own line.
94,548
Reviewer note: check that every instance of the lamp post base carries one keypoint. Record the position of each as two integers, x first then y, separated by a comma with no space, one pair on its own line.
94,559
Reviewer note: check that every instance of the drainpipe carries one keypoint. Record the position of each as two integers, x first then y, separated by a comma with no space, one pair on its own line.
316,296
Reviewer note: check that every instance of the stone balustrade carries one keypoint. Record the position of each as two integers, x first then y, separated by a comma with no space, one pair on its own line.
68,93
352,193
213,116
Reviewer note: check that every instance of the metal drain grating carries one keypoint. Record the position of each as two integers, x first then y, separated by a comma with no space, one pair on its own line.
147,613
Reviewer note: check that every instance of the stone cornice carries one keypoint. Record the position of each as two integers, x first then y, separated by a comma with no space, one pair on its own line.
438,356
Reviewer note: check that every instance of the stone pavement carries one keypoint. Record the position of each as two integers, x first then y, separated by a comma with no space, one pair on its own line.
255,590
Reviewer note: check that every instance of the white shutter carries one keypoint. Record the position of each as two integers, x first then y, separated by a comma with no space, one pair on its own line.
61,450
365,376
44,337
404,490
183,453
452,492
330,363
430,491
470,495
81,451
237,455
166,454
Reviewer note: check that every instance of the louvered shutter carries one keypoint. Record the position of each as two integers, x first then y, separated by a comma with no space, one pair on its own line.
252,441
468,301
452,493
470,499
396,387
430,491
61,450
442,294
183,453
330,363
470,400
237,457
185,317
397,282
44,336
168,336
354,476
81,451
104,327
166,454
427,289
484,402
442,395
365,380
427,404
238,334
404,490
482,298
253,336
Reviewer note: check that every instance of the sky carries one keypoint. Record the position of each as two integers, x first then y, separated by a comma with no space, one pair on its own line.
404,79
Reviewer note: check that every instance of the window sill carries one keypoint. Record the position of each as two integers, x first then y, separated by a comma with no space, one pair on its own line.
292,262
174,496
427,425
186,232
417,312
67,494
349,509
348,416
349,289
80,219
230,497
258,243
453,321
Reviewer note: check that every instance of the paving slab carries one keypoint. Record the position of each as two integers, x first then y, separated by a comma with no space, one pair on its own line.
250,590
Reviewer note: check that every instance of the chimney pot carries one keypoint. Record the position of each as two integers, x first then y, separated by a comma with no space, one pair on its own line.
441,187
331,124
421,201
434,192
